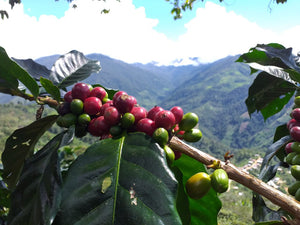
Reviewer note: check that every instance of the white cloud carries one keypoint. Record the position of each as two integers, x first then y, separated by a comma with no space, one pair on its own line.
127,34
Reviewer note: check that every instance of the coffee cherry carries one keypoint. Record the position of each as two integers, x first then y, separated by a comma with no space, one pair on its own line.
68,96
289,157
98,92
146,125
189,121
198,185
139,113
165,119
67,120
124,103
127,120
83,119
296,160
117,95
115,130
76,106
297,100
292,189
98,126
295,133
161,136
112,115
288,148
178,113
177,154
295,146
64,108
105,106
295,171
152,112
219,180
192,135
169,154
80,91
292,123
92,105
296,114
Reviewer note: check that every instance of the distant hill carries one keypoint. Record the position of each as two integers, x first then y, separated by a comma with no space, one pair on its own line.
215,91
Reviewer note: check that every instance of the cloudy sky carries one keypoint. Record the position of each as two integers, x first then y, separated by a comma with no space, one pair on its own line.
144,31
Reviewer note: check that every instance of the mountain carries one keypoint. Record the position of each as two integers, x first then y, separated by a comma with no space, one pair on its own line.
217,94
215,91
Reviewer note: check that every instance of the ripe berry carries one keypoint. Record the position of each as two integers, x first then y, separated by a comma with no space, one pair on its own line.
146,125
165,119
64,108
178,113
98,92
112,115
288,148
177,154
92,105
296,114
124,103
118,94
152,112
105,106
291,123
295,133
80,91
98,126
68,96
139,113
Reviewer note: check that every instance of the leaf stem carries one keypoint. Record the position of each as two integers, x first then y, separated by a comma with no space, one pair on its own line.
286,202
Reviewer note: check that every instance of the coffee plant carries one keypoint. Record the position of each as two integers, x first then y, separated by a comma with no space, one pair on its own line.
141,168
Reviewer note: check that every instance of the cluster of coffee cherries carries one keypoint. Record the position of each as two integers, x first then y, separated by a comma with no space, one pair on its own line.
91,111
292,149
200,183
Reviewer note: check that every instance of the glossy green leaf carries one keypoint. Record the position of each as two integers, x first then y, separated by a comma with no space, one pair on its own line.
269,94
20,145
11,72
71,68
120,181
50,88
36,198
35,69
205,210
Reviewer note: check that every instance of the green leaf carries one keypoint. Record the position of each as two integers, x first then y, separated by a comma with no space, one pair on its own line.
11,72
120,181
205,210
71,68
50,88
269,94
35,69
36,198
20,145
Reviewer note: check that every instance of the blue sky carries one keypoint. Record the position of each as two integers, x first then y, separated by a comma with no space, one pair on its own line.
145,31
